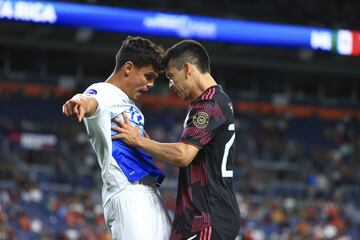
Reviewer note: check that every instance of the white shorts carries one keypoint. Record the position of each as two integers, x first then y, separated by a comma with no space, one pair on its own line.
138,213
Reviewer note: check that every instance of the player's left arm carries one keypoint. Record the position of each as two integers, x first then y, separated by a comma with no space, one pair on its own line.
179,154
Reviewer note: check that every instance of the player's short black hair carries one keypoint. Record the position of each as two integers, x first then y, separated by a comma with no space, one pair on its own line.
188,51
141,52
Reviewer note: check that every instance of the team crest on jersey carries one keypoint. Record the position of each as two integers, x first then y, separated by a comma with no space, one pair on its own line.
201,120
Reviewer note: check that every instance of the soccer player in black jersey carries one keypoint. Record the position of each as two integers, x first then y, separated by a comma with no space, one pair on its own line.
206,207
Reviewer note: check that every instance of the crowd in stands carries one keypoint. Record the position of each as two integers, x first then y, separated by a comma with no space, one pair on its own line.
295,178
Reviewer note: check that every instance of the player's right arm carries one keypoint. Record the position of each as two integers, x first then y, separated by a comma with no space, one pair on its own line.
179,154
80,106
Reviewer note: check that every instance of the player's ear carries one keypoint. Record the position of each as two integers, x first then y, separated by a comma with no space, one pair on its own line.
187,68
128,67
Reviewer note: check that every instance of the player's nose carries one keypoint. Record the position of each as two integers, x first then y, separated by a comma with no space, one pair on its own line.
171,83
150,84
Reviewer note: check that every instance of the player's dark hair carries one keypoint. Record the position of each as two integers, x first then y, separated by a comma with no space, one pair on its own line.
188,51
141,52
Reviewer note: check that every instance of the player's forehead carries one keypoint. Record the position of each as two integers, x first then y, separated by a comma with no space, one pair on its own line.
170,68
170,64
149,70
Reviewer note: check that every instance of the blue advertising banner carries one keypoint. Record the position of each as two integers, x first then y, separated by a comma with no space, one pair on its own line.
166,24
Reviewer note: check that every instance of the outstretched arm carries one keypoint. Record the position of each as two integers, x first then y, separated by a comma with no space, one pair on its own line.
79,106
179,154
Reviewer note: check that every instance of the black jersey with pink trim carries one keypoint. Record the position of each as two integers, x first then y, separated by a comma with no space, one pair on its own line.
205,194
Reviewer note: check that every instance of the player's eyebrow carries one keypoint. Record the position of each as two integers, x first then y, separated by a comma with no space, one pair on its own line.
151,75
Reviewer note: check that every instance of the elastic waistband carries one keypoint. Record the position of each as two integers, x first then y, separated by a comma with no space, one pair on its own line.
149,181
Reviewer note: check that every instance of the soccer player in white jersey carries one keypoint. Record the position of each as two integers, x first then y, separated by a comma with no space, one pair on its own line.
133,206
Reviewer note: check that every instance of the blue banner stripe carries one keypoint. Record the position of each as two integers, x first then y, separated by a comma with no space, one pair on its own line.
160,24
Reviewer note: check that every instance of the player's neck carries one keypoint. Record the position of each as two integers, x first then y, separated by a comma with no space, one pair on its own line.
114,79
202,83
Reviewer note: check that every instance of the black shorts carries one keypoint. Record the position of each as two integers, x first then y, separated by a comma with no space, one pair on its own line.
206,234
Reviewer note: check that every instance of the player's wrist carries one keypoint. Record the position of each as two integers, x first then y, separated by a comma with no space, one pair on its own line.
140,141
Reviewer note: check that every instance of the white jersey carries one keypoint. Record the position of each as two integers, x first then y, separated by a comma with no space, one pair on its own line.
111,102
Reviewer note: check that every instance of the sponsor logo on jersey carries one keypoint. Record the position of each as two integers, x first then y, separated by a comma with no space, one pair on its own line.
201,120
91,91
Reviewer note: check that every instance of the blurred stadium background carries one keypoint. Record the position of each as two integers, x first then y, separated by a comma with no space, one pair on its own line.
297,109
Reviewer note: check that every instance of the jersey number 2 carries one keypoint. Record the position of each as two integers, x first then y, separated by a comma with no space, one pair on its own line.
224,172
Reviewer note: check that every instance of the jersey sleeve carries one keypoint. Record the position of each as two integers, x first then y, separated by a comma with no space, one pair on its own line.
204,118
96,91
106,98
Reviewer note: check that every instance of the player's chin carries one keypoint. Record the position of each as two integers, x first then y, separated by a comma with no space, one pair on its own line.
136,95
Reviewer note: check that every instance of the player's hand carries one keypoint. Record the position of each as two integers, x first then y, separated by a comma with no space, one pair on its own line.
129,134
74,108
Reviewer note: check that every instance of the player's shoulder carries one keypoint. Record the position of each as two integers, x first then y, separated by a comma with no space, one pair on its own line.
222,98
101,86
105,90
95,88
220,103
213,95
